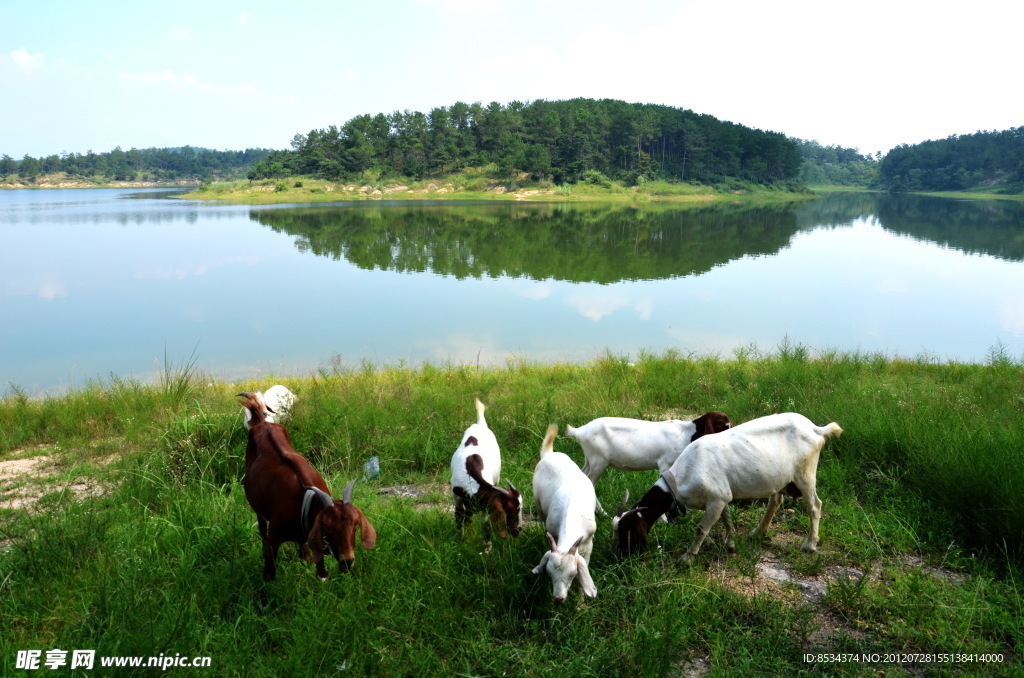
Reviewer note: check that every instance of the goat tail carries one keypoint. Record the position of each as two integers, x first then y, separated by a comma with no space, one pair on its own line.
829,430
570,431
549,440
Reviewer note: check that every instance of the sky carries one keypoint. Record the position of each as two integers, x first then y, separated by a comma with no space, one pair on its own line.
870,74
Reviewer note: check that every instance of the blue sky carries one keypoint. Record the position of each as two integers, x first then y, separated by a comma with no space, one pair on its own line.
871,74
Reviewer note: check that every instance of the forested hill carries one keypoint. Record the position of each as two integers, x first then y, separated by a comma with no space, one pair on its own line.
836,166
185,163
986,160
562,141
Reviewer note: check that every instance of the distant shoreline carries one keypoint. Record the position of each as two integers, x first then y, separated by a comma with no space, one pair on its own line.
310,190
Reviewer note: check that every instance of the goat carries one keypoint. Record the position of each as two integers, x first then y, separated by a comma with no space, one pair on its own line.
766,457
277,401
476,471
638,445
291,500
566,502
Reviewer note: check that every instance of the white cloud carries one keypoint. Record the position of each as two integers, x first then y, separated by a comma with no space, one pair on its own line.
198,269
52,289
1011,316
189,81
180,33
527,289
892,286
596,306
25,62
462,6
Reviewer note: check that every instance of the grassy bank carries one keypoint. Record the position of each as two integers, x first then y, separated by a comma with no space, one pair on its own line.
481,184
131,535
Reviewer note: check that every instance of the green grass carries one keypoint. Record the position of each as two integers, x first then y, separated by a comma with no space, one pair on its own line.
478,183
922,531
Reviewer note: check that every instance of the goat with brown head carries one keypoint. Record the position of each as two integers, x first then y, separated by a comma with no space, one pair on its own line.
335,528
476,470
292,501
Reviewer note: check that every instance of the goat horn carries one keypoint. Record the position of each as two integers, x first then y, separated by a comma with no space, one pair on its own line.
638,509
346,494
572,550
243,395
510,485
622,506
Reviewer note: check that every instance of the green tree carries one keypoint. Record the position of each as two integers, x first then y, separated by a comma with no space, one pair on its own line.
8,166
28,168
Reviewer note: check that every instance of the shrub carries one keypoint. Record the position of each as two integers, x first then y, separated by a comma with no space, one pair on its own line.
596,178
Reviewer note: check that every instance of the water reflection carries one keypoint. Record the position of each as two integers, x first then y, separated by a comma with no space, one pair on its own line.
93,284
607,244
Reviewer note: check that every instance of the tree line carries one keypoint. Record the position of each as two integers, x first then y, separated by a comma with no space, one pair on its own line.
983,159
561,141
154,164
836,166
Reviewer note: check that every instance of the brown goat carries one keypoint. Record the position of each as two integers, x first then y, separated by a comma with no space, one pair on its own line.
292,501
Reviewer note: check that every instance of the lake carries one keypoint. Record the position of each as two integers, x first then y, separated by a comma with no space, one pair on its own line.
102,283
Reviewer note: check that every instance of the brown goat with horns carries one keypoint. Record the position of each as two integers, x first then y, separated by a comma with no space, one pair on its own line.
292,501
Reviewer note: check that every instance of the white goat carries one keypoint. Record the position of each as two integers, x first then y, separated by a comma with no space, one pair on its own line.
566,502
763,457
476,471
638,445
277,402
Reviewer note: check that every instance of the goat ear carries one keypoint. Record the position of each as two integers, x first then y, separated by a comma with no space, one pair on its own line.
543,562
369,535
554,544
583,574
316,539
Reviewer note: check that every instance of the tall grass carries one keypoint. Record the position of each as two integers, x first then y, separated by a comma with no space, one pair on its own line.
168,561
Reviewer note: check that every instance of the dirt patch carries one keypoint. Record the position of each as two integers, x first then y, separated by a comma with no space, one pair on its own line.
24,481
424,498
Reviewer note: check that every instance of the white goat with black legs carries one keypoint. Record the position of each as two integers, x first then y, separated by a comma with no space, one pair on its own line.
278,402
566,502
766,457
476,471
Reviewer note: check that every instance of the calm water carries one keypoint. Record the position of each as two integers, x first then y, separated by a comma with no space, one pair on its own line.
95,283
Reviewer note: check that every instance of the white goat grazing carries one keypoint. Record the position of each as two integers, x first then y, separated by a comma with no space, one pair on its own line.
476,471
638,445
763,457
277,402
566,502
